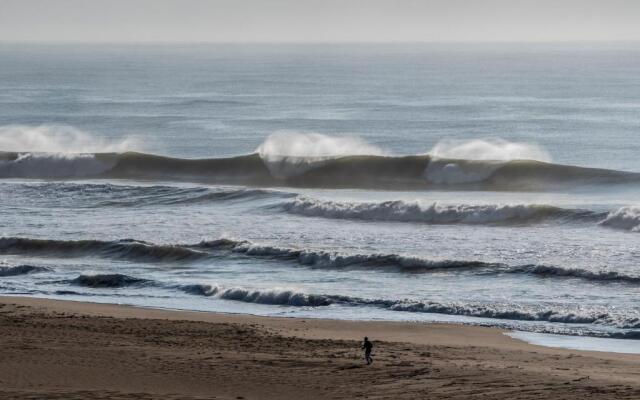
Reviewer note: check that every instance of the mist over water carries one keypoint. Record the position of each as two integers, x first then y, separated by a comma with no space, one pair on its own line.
289,154
359,182
59,139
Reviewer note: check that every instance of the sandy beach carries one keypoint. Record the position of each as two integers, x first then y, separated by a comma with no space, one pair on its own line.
70,350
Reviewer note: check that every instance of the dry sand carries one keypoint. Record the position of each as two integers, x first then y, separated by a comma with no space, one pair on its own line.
70,350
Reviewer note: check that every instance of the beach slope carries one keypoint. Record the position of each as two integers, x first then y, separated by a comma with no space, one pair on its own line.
70,350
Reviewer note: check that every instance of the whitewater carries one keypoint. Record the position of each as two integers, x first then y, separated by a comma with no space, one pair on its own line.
351,188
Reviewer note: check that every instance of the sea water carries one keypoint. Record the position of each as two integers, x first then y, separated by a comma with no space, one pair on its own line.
481,184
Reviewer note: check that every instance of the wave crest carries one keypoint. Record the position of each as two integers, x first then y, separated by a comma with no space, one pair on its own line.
626,218
289,154
283,297
321,161
401,211
489,149
61,139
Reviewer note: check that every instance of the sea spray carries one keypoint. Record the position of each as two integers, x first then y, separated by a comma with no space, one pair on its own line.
626,218
489,150
62,139
288,154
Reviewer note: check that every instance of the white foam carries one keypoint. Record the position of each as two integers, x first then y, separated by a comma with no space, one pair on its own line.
626,218
288,154
578,342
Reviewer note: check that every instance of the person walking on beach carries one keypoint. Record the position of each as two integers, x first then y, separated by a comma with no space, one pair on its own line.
367,346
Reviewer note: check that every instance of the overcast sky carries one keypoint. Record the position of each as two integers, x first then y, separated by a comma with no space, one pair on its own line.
319,20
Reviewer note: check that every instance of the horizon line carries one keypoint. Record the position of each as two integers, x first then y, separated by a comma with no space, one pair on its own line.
321,42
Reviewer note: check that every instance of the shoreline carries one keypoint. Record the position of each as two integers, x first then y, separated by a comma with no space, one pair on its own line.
542,339
68,349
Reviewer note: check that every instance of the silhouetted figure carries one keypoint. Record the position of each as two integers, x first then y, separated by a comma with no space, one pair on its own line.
367,346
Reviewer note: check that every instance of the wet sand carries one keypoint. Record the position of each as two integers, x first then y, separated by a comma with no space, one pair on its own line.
70,350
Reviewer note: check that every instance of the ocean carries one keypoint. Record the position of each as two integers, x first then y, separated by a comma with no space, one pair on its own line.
490,184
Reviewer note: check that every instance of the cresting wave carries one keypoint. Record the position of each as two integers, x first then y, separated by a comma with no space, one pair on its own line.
108,281
626,218
271,297
402,211
139,251
100,195
125,249
417,172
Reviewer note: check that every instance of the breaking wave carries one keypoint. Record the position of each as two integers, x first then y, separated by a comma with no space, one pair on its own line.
21,270
108,281
167,195
626,218
401,211
272,297
320,161
96,195
506,311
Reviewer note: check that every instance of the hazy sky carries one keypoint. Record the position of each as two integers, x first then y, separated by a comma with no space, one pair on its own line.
319,20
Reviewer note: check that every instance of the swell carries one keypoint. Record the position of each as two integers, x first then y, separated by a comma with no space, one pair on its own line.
271,297
126,249
95,195
401,211
21,270
175,196
417,172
